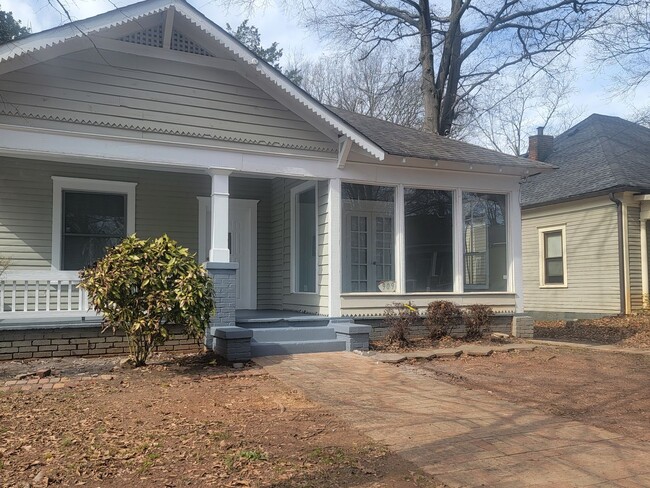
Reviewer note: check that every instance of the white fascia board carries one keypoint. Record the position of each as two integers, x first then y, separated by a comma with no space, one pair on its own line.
57,145
102,22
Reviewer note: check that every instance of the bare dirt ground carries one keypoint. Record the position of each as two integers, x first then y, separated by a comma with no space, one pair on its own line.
183,422
625,330
607,390
446,342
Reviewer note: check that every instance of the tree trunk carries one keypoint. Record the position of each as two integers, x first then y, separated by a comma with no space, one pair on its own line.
431,96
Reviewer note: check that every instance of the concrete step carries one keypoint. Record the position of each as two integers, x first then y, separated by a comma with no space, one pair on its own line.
293,334
295,347
309,321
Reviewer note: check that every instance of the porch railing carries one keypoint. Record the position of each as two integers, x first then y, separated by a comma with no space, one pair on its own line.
44,291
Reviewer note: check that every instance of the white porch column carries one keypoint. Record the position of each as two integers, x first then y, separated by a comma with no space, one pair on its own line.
400,241
516,278
219,252
335,273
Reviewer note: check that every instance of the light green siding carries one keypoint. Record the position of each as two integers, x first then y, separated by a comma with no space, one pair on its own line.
165,203
591,253
132,95
634,256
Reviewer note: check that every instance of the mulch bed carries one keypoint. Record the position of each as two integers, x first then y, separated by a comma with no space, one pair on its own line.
623,330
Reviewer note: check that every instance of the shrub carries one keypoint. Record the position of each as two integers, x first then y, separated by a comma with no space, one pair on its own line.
144,286
477,321
442,317
399,318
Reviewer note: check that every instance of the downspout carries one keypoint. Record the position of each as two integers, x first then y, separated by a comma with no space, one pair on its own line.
621,258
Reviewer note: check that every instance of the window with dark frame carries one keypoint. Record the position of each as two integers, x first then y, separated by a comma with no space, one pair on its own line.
553,258
92,222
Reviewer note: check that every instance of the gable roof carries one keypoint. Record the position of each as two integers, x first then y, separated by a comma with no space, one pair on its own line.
375,136
32,45
599,155
403,141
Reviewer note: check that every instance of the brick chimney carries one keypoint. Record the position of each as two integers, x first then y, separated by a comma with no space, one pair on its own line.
540,146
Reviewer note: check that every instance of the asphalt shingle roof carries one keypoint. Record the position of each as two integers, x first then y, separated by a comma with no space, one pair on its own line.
596,156
406,142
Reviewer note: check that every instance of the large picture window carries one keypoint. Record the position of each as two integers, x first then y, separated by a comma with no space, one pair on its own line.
368,238
429,240
88,216
485,237
305,237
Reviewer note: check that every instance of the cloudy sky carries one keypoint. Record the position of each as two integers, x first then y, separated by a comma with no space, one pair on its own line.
595,91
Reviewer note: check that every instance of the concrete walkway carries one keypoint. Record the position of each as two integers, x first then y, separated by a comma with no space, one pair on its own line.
464,438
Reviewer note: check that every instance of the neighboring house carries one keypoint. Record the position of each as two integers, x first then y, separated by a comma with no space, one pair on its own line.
151,119
585,224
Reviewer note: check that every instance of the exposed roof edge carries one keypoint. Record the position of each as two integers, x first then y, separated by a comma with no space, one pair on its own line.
573,198
82,28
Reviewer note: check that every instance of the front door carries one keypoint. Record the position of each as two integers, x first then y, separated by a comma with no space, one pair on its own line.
242,242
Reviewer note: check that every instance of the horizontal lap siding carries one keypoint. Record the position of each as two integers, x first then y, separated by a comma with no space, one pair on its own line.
634,256
150,95
281,224
592,258
165,203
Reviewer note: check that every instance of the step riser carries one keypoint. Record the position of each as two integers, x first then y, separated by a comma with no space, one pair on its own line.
282,348
293,334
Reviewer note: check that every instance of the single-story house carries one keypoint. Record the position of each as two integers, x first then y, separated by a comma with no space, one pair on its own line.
152,119
585,224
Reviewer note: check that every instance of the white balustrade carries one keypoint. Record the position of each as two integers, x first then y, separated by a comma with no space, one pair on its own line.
41,292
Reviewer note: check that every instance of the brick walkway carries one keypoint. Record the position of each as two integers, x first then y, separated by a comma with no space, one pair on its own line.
50,382
464,438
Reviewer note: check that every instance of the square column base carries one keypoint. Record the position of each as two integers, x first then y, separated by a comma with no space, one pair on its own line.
224,295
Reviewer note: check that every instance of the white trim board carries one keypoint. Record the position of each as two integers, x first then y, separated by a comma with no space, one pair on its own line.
61,183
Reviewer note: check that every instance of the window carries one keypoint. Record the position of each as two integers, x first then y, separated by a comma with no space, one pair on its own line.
485,237
305,237
429,240
552,257
89,216
368,238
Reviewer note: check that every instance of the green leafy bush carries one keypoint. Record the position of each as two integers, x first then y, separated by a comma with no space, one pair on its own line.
478,319
144,286
399,318
442,316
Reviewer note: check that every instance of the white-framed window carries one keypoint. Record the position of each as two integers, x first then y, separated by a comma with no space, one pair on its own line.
87,217
552,257
304,238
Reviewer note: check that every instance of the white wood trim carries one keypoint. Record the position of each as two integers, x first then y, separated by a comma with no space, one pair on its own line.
458,232
626,259
514,248
219,201
345,144
295,191
334,217
400,240
645,282
541,231
168,28
61,183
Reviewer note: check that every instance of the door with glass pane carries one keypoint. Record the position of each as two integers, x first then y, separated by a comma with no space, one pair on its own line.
370,251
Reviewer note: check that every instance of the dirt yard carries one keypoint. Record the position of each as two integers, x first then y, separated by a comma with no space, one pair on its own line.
182,423
607,390
625,331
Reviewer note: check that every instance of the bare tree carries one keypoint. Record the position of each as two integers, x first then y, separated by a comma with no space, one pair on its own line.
461,45
544,101
625,42
381,85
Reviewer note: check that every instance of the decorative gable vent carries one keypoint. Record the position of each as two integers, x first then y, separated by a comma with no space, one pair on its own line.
187,45
149,37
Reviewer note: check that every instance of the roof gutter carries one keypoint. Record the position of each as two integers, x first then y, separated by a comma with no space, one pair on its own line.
621,255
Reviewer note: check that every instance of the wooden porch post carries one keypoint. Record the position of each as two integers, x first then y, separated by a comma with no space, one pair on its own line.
219,252
335,274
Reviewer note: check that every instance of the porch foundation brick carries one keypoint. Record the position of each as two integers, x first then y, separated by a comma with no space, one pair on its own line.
223,277
70,340
356,336
523,326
